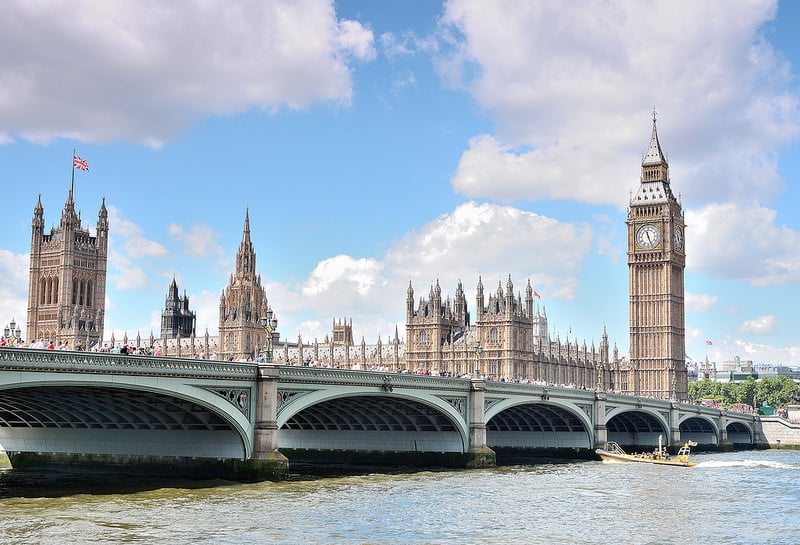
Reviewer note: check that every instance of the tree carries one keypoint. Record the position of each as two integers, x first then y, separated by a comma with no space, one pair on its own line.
775,391
704,389
744,392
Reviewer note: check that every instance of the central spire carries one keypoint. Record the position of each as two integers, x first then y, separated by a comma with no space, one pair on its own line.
246,231
654,155
246,257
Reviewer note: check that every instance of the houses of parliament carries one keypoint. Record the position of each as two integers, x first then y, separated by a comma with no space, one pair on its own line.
506,337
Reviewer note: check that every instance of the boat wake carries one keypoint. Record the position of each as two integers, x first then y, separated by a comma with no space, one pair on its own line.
748,464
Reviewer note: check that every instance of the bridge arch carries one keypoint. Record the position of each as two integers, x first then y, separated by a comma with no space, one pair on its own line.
637,426
740,433
514,423
125,416
354,419
701,429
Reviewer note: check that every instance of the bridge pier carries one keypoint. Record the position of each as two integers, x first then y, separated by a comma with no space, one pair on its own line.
723,430
479,454
266,463
675,424
600,428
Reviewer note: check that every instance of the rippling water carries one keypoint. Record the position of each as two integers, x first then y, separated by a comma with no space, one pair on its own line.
747,498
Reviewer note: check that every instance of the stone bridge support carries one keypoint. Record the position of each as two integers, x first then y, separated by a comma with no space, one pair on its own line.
723,429
267,462
478,454
600,428
675,424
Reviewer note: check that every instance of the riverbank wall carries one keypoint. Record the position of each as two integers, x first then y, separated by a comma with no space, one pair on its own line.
781,432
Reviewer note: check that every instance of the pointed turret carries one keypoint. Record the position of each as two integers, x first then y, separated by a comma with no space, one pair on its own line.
69,218
246,256
654,187
654,155
409,300
38,215
479,299
102,223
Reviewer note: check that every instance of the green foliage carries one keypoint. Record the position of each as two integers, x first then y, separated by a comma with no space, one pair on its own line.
770,391
704,389
775,391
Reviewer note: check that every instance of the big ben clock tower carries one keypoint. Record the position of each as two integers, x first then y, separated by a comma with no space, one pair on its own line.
656,260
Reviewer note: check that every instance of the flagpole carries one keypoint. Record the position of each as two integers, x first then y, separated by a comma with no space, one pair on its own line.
72,185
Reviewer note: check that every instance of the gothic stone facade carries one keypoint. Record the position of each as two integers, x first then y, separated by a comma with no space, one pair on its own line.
67,282
242,304
656,262
508,341
177,320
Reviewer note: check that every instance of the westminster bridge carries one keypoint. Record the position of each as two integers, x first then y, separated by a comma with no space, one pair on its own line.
86,407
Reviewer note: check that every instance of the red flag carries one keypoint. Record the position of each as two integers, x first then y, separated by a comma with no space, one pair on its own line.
708,342
536,294
79,163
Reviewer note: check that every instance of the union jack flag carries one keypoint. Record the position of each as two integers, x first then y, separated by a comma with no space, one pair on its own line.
80,164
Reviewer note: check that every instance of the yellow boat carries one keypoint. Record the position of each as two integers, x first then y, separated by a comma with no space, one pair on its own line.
614,453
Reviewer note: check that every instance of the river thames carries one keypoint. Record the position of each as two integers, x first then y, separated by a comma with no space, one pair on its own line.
746,498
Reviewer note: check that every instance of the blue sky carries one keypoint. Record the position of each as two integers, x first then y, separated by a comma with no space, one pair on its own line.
377,143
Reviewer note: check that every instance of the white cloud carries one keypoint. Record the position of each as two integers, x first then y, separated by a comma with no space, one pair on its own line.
130,234
206,307
131,279
765,353
483,239
763,325
493,241
199,240
698,302
14,288
570,86
141,247
394,46
742,242
694,336
144,70
361,275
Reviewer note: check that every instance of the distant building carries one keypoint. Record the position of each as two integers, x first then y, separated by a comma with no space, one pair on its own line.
242,304
508,341
177,320
736,364
343,333
67,286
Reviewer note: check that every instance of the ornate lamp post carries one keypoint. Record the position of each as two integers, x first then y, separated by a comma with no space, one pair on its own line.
270,324
599,376
478,351
11,333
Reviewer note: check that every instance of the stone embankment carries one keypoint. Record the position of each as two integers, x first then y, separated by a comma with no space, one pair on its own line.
783,432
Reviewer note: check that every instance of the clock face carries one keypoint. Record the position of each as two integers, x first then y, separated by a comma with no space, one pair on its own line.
647,236
678,238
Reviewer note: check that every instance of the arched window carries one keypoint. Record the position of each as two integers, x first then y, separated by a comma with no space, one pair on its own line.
494,335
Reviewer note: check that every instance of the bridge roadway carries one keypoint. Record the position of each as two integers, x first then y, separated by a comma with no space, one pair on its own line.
86,407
